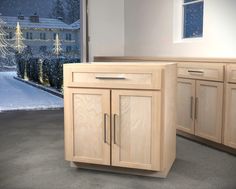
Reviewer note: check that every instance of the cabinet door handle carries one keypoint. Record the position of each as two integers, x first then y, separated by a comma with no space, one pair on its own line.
114,128
191,108
110,77
105,128
196,108
196,72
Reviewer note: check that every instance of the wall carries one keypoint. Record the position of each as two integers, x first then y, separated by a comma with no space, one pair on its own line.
106,28
151,26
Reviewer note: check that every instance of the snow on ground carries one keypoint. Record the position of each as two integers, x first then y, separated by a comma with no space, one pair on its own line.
16,95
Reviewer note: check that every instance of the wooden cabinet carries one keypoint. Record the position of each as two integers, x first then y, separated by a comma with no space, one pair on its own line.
89,111
108,124
200,102
136,129
185,105
230,110
208,110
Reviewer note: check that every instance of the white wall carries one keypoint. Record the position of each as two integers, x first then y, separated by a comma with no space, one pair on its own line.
150,30
106,28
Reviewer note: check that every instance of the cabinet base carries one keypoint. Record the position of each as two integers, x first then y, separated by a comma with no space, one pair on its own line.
160,174
215,145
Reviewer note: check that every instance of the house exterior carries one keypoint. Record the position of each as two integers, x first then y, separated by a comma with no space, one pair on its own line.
40,33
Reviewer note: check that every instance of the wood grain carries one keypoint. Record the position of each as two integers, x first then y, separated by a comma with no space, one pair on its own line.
185,105
208,123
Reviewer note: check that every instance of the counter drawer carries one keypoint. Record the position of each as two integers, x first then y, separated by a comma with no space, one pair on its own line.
118,78
214,72
231,73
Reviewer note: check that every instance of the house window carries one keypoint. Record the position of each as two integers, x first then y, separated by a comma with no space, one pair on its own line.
68,36
193,18
68,48
54,36
9,36
43,49
43,36
29,35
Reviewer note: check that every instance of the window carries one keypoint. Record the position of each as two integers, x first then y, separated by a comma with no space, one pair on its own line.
68,36
54,36
43,36
29,35
9,36
193,18
68,48
43,49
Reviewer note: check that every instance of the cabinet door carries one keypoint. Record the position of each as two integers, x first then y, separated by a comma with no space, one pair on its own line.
185,105
90,115
230,118
136,129
208,115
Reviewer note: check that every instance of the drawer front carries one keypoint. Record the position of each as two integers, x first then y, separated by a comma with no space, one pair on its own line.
214,72
114,79
231,73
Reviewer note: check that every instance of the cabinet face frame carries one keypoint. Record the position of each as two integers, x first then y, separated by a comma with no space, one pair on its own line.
216,136
229,140
70,122
190,116
155,149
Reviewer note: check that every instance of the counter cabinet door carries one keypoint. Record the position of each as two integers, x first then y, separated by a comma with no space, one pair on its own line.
136,128
185,105
209,104
88,113
230,117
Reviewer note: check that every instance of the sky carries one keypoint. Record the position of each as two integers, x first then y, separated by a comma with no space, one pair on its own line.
26,7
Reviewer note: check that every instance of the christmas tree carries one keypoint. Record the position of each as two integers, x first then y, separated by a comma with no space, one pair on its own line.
19,46
4,45
57,46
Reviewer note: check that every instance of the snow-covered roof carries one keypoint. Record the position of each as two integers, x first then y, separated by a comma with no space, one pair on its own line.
76,24
44,23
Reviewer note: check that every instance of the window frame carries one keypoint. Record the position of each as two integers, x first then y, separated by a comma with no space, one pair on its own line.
183,21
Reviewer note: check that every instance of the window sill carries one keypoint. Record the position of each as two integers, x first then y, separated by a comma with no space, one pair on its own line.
189,40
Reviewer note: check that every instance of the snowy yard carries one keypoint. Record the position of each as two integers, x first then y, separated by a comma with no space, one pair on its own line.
16,95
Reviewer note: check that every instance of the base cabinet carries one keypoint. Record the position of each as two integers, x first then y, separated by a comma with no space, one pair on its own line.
230,121
136,129
89,111
199,108
121,117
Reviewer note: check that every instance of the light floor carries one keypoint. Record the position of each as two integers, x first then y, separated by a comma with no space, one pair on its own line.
31,157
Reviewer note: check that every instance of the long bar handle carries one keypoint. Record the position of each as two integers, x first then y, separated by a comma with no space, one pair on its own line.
114,128
105,128
196,108
191,108
111,78
196,72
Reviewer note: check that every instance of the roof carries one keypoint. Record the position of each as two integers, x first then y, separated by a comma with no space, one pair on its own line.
44,23
76,24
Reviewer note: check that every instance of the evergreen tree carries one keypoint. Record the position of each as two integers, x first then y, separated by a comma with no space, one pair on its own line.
4,45
73,8
19,46
57,46
58,10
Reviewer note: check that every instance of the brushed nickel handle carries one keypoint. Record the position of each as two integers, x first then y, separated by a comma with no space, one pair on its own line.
105,128
196,72
114,128
191,108
111,77
196,108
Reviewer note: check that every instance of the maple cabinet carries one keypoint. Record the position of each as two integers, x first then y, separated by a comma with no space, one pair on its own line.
200,100
121,116
230,108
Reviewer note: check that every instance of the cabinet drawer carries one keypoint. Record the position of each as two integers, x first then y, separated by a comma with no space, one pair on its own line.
231,73
100,77
214,72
